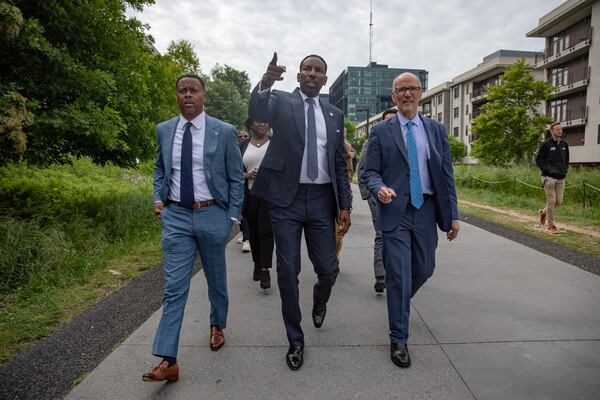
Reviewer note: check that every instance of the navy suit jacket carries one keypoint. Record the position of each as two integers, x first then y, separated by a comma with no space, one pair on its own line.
279,174
387,164
222,164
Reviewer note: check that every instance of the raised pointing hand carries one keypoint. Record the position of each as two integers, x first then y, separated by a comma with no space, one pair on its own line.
273,73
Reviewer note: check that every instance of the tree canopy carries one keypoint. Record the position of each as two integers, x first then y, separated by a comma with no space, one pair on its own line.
511,127
82,79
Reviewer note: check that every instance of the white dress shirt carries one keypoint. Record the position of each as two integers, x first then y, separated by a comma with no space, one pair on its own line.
323,165
422,149
198,128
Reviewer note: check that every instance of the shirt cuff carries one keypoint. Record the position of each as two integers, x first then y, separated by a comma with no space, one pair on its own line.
235,220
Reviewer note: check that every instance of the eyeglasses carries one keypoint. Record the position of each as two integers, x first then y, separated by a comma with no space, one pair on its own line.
411,89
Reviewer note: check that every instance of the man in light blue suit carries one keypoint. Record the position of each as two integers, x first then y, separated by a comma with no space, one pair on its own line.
198,193
409,170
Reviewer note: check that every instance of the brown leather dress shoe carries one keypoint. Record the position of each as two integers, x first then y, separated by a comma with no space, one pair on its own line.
217,339
162,372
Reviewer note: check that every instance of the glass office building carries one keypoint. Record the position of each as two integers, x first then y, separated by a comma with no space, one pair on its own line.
359,88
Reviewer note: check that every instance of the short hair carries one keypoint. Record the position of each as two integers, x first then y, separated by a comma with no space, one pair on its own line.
388,111
552,125
313,55
193,76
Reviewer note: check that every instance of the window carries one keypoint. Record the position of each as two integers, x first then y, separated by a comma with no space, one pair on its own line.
456,132
455,112
598,133
440,117
559,43
558,109
467,109
440,98
559,76
456,92
427,107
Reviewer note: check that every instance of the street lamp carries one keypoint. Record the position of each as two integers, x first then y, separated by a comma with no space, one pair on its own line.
367,110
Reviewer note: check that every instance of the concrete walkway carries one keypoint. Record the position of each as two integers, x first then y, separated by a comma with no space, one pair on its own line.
496,321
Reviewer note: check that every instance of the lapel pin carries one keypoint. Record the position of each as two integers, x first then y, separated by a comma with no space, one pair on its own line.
331,114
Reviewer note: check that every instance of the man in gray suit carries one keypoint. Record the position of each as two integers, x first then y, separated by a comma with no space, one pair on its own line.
198,193
303,177
365,194
409,170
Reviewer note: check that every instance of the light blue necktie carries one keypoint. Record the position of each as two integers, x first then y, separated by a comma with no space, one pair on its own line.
312,166
186,183
416,192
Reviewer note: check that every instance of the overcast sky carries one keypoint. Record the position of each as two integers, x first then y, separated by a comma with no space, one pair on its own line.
445,37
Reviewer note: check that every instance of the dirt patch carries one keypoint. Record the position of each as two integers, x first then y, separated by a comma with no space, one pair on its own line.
533,220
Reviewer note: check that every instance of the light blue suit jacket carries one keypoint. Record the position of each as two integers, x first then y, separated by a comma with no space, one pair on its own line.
386,164
222,164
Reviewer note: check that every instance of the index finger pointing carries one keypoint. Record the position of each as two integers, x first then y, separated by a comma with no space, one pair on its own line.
274,60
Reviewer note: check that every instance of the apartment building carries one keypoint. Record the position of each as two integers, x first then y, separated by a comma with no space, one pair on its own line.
571,62
435,103
467,90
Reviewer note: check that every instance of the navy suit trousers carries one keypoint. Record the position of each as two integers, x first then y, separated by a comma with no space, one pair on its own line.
314,210
409,259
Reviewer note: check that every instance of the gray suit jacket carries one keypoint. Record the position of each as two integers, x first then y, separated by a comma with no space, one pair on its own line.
279,174
222,164
386,164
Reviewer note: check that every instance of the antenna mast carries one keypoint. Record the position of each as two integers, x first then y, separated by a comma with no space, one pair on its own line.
371,34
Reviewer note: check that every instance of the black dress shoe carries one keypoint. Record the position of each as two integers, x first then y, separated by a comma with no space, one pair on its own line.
379,284
256,274
265,279
318,314
295,357
400,356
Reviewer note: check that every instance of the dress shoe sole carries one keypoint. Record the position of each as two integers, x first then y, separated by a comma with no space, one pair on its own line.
148,379
294,368
216,347
401,364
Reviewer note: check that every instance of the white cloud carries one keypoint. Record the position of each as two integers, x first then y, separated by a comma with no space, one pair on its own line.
445,37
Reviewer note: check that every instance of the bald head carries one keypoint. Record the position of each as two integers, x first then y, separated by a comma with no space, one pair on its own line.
406,94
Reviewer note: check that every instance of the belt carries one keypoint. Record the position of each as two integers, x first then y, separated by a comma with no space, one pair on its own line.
198,204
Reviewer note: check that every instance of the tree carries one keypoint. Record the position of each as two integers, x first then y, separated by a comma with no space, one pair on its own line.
458,150
93,85
227,95
510,128
357,142
182,52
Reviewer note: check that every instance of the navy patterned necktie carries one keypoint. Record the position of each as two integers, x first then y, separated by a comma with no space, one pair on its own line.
416,192
312,166
186,183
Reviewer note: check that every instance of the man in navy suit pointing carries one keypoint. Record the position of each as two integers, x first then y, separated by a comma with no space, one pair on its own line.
303,177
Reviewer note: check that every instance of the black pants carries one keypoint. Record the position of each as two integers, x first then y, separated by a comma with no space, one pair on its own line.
260,231
313,211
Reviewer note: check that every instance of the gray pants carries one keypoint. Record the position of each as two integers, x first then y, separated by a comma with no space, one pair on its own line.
378,245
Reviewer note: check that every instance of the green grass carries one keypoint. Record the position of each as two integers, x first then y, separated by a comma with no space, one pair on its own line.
63,228
527,200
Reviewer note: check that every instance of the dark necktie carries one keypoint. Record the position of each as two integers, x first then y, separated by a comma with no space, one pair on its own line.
416,192
186,182
312,166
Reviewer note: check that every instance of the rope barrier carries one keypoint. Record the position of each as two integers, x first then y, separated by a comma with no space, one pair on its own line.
491,182
527,184
593,187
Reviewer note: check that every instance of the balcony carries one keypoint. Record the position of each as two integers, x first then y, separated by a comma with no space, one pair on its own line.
577,81
581,41
479,95
574,117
